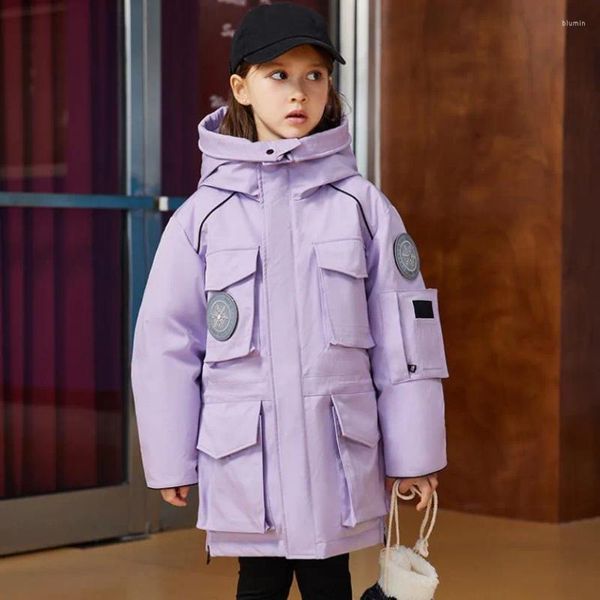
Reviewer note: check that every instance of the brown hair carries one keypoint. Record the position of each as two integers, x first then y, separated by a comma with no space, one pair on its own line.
239,120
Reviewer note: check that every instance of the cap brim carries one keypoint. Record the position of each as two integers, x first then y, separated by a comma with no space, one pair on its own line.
277,48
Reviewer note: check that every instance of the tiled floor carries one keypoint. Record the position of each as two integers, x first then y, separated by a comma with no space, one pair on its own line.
477,558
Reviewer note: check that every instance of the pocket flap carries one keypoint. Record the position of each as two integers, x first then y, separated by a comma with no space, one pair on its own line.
225,267
227,427
346,256
357,416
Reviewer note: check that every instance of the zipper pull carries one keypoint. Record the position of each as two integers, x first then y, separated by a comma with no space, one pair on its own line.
207,554
412,368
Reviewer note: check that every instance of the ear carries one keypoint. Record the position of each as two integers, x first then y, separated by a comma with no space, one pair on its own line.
239,89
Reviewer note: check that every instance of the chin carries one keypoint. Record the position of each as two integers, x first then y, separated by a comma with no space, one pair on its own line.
300,130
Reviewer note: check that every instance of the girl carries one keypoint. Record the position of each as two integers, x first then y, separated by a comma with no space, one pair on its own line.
287,355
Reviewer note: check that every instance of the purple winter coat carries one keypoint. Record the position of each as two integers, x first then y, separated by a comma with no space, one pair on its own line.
287,354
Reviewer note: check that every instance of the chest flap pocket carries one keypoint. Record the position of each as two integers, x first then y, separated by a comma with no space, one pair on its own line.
230,285
342,272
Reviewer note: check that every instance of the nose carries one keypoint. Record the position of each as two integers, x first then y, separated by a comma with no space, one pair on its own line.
298,95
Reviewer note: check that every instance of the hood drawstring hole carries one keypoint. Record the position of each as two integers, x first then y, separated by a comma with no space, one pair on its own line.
270,151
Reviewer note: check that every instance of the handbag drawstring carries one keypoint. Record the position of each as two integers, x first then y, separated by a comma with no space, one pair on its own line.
421,546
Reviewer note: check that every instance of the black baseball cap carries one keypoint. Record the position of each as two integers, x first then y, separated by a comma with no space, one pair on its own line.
269,30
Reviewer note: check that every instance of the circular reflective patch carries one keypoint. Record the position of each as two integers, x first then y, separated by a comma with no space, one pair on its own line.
221,316
406,256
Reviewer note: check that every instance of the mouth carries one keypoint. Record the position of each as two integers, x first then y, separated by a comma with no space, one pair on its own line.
296,117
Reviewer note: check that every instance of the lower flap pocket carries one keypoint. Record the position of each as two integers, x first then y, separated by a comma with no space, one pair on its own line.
357,417
230,467
227,427
357,436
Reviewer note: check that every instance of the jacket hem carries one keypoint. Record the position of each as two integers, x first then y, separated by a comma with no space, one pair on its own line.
325,549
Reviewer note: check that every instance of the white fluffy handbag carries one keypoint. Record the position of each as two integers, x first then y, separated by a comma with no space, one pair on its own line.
404,572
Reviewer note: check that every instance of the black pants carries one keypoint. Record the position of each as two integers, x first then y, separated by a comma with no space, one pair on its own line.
270,577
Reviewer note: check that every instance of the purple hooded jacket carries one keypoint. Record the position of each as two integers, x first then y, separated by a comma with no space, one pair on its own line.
287,354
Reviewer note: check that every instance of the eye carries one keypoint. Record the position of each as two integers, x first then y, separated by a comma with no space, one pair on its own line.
275,73
318,74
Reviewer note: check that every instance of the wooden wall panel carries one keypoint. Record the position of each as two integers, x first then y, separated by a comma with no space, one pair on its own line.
472,156
580,367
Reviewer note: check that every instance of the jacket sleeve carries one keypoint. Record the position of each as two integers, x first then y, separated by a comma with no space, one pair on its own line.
167,356
408,360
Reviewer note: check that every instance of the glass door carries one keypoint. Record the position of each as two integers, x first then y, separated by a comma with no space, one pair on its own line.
79,223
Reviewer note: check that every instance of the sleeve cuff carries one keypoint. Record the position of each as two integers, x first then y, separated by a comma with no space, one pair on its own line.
412,476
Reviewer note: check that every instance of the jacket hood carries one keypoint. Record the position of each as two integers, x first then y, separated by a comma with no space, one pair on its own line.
233,163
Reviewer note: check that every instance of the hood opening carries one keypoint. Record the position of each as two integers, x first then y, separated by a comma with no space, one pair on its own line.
232,163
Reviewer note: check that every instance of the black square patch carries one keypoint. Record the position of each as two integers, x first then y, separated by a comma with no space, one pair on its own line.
423,309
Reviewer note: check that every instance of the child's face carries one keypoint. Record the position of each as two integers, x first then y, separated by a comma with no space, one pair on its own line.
297,79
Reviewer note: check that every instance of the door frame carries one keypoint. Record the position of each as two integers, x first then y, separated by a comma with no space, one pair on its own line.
360,80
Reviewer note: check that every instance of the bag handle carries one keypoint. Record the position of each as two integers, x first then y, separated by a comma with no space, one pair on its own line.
421,546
